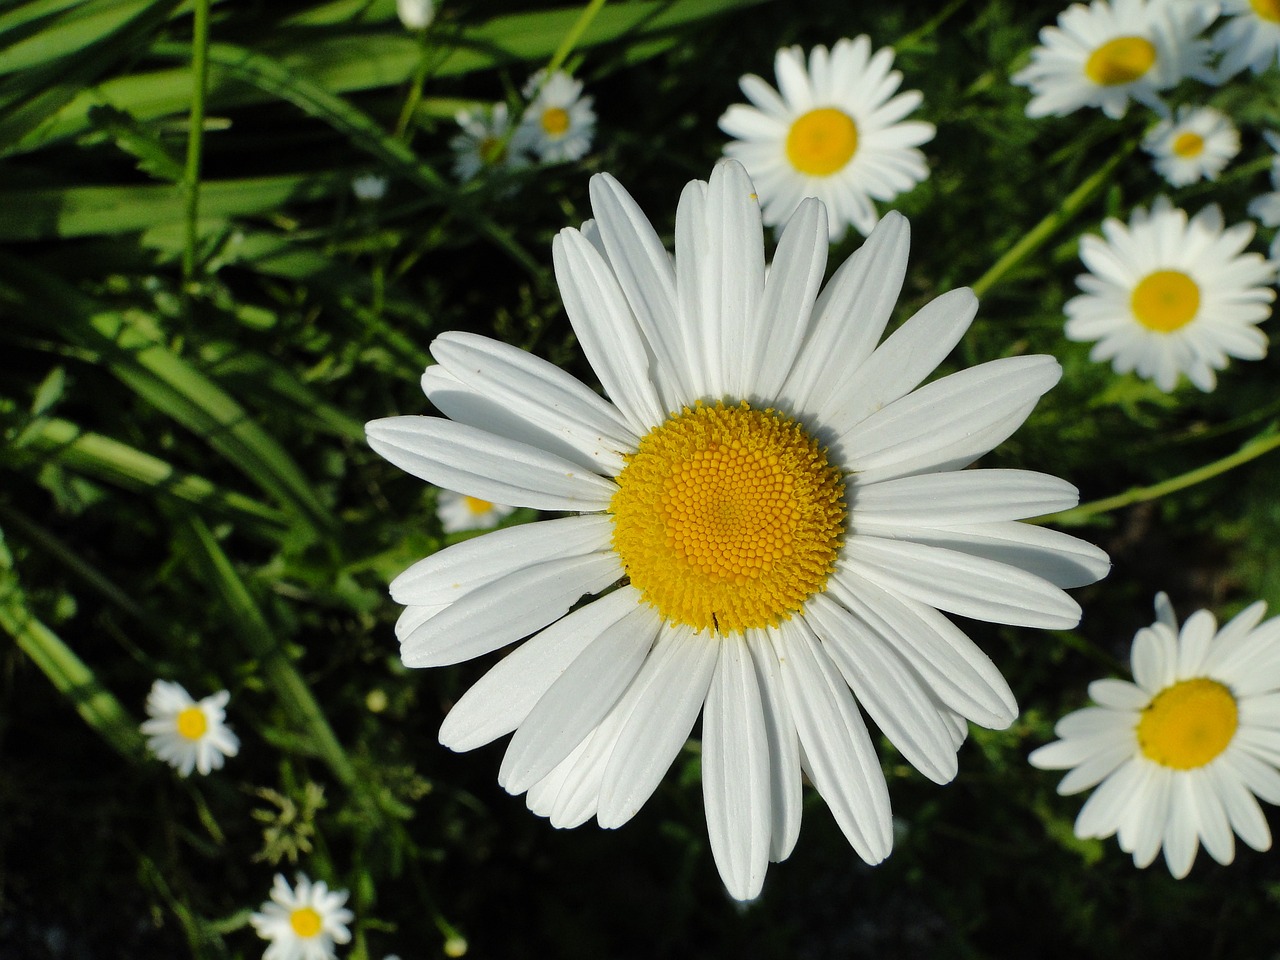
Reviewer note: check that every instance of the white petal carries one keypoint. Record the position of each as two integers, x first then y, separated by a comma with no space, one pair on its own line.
1215,829
1193,643
1246,816
1181,834
785,788
1108,805
960,496
1118,694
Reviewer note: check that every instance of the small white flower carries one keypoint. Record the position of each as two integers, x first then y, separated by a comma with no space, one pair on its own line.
303,922
416,14
369,187
1266,208
1104,55
1195,144
458,512
832,130
1166,296
559,123
488,141
1182,754
1250,39
186,734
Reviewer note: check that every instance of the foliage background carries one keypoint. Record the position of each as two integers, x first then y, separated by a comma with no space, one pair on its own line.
186,493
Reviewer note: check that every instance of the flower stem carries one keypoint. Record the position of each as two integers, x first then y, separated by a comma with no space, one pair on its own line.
574,35
195,136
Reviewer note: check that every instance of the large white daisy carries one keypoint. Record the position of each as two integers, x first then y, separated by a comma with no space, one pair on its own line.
834,132
302,922
1165,296
1106,54
771,512
188,734
1250,38
1196,143
1182,752
559,122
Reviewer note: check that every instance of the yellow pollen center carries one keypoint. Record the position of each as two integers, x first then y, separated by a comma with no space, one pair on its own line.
822,141
1165,301
1188,724
555,121
192,723
728,517
477,506
1188,145
305,922
1267,9
1119,61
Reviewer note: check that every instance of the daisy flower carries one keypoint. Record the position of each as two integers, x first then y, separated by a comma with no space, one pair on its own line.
369,187
186,734
1250,38
1104,55
1194,144
1183,751
559,122
458,512
831,131
768,535
416,14
1165,296
1266,208
303,922
487,141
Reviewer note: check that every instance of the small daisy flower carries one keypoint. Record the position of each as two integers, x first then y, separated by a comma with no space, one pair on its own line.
1197,143
1181,755
458,513
1266,208
369,187
416,14
1166,296
559,123
1250,38
1106,54
303,922
832,130
768,536
186,734
487,141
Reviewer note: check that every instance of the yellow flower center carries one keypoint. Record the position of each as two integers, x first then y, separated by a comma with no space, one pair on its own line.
1118,61
1188,145
305,922
478,507
728,517
822,141
1267,9
192,723
1165,301
1188,724
555,121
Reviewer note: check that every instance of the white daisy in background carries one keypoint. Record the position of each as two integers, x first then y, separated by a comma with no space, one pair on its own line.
458,512
488,141
559,122
1266,208
770,535
369,187
303,922
1250,38
188,734
416,14
1183,751
832,132
1104,55
1166,296
1196,143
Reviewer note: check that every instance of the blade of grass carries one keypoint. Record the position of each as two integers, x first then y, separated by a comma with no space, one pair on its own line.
195,136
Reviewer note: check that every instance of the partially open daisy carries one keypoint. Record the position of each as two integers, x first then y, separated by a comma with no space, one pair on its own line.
488,141
1165,296
1266,207
188,734
1183,751
768,533
1196,143
458,512
559,122
834,131
303,922
1105,55
1250,38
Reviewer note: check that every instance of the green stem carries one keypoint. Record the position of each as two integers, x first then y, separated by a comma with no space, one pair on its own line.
574,35
929,27
1038,235
195,136
1263,443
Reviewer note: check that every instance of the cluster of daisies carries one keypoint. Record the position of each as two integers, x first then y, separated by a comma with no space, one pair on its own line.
1167,294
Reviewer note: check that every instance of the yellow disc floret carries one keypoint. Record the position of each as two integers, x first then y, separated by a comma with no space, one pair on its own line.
305,922
728,517
1119,61
822,141
1165,300
1188,145
192,723
476,506
1188,724
555,121
1267,9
